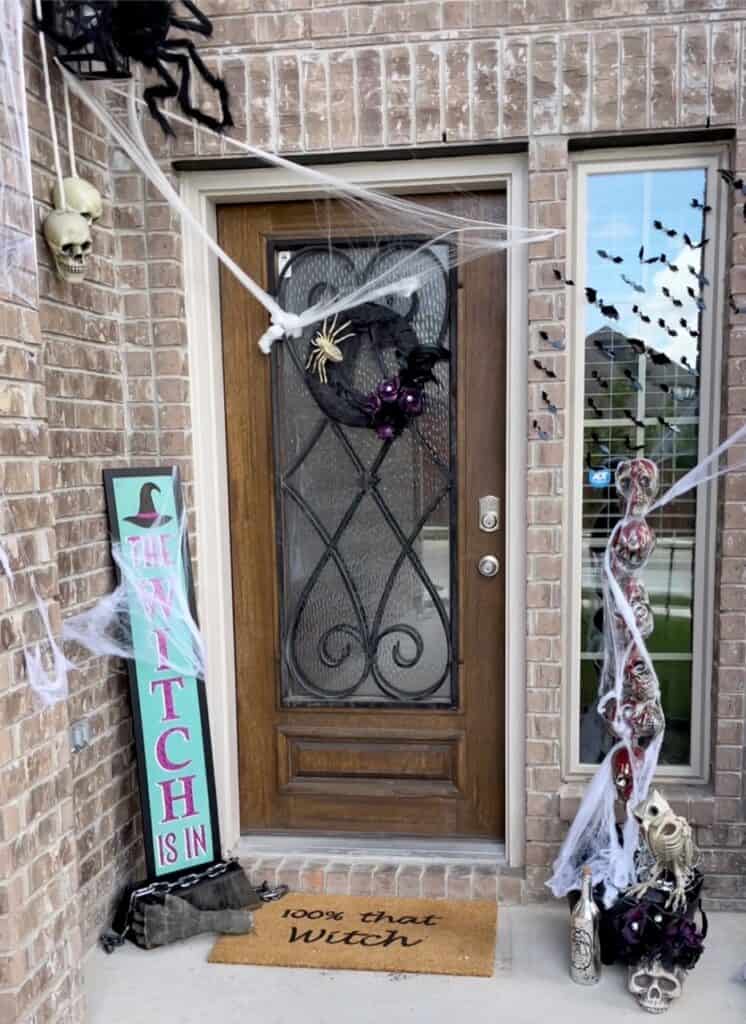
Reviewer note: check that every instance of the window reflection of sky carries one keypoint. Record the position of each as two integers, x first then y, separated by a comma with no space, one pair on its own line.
620,212
621,208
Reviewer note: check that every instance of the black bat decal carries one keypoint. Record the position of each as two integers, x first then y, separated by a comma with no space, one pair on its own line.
602,348
638,345
608,256
601,381
559,277
543,434
634,382
610,312
697,205
668,426
659,358
548,402
632,447
730,179
660,226
695,245
545,369
595,409
641,256
603,448
633,284
591,294
633,419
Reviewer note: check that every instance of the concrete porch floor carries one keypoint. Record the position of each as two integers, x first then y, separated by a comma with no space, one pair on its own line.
176,985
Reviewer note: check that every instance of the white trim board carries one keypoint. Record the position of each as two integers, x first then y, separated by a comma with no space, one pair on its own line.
710,156
202,191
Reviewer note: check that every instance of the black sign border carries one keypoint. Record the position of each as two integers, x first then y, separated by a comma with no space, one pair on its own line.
172,472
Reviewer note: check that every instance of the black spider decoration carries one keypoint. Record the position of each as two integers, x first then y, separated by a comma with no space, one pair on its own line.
139,30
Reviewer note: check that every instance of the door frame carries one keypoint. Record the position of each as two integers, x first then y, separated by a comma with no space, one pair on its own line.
202,191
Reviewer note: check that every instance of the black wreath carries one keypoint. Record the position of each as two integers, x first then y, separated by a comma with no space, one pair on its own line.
381,328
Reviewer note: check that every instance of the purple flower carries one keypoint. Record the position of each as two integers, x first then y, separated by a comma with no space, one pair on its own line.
410,401
388,390
633,924
372,404
385,431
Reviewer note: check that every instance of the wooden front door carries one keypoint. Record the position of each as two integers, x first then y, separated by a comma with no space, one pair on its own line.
369,648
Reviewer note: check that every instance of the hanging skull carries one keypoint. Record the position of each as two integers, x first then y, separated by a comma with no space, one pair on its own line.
655,987
68,236
640,682
646,720
631,546
637,598
80,197
637,485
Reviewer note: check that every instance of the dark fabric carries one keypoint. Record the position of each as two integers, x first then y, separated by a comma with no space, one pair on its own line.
231,891
158,921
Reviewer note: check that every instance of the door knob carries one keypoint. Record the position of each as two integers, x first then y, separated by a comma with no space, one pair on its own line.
489,565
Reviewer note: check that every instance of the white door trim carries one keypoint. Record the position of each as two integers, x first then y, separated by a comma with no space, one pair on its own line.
202,191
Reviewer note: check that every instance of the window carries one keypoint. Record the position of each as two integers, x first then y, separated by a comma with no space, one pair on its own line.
645,372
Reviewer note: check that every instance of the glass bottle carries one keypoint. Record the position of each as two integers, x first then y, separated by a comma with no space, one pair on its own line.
585,945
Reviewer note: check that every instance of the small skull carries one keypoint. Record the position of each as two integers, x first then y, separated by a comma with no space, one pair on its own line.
637,598
637,485
646,721
655,987
68,236
621,767
631,546
80,197
639,682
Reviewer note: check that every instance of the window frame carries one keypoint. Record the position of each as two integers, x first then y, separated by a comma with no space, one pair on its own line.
712,156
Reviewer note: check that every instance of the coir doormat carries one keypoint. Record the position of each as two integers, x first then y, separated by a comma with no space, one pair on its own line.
368,933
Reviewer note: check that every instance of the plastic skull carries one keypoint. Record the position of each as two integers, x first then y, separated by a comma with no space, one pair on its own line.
639,682
655,987
646,720
637,485
631,546
68,236
80,196
637,598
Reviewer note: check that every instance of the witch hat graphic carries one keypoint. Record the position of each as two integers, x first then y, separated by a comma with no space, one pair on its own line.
147,515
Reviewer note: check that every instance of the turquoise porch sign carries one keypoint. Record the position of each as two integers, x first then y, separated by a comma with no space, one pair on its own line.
172,737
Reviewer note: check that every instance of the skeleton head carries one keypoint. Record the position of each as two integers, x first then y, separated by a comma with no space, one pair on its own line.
639,682
631,546
636,595
652,810
637,485
655,987
647,722
80,196
68,236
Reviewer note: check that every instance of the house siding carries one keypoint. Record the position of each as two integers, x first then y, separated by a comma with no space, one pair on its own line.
98,376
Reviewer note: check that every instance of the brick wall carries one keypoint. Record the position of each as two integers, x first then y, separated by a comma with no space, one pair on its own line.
314,75
102,371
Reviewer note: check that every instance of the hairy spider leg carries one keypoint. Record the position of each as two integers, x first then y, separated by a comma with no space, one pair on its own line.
203,25
212,80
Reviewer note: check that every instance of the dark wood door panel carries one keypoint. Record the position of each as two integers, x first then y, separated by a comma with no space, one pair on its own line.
413,771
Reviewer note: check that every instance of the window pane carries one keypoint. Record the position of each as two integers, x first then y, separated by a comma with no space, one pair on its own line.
642,397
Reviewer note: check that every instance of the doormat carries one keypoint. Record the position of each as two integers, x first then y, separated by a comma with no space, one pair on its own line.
368,933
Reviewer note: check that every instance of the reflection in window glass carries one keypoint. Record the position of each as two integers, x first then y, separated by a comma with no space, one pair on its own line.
643,399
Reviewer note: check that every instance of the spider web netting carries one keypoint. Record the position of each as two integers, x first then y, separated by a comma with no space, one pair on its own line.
17,248
418,227
596,838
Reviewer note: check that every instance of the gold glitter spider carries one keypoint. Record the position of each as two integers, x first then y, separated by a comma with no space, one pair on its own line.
325,348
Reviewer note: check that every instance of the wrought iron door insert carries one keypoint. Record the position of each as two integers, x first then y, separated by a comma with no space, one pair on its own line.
366,523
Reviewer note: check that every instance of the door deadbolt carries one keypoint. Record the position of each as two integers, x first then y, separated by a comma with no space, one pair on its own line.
489,565
489,513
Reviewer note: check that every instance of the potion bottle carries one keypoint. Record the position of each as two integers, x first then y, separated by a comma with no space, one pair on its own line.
585,944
